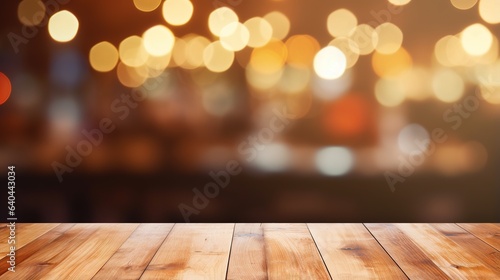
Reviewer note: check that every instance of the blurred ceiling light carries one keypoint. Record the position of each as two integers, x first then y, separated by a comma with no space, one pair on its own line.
269,58
413,139
234,36
389,92
260,31
391,65
340,23
177,12
158,40
31,12
334,161
220,18
216,58
280,24
463,4
330,63
63,26
390,38
399,2
447,85
489,10
5,88
365,38
129,76
103,56
349,48
301,50
146,5
476,39
132,52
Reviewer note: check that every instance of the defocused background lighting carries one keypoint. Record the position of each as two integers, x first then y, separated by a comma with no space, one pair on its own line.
63,26
463,4
330,63
413,139
476,39
216,58
489,10
447,85
31,12
103,57
158,40
219,18
334,161
340,23
260,32
177,12
5,88
280,24
147,5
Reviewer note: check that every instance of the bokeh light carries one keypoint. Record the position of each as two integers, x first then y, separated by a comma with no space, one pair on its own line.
463,4
269,58
262,81
146,5
195,47
63,26
217,58
390,38
399,2
294,79
301,50
220,18
275,157
158,40
260,31
31,12
340,23
234,36
489,10
334,161
332,89
280,24
391,65
103,56
349,48
330,63
476,39
413,139
130,76
489,82
365,38
347,117
132,51
389,92
177,12
447,85
5,88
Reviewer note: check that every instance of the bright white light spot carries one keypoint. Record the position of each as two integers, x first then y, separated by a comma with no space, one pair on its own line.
330,63
413,139
334,161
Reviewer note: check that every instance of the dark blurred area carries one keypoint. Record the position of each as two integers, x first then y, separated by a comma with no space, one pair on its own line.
251,111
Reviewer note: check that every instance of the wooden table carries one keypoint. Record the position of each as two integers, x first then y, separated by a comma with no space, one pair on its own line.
254,251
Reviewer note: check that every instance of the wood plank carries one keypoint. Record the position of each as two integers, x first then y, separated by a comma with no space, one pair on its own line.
41,262
475,246
350,251
291,253
193,251
409,257
88,258
34,246
248,256
25,233
453,260
489,233
132,258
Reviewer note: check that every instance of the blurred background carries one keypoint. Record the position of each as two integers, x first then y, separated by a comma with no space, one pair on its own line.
329,111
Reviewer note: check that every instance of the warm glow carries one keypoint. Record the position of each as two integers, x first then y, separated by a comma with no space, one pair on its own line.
365,38
129,76
390,65
269,58
280,24
447,85
103,57
219,18
5,88
349,48
63,26
177,12
399,2
390,38
158,40
31,12
489,10
463,4
194,50
294,80
260,32
341,22
146,5
476,39
217,58
262,80
330,63
301,50
234,36
389,93
347,117
132,51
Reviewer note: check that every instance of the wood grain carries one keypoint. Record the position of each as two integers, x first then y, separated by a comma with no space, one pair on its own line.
453,260
489,233
410,258
142,245
352,252
193,251
25,233
248,256
291,253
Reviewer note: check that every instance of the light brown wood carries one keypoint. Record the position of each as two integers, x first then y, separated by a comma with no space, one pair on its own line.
142,245
489,233
413,261
351,252
291,253
248,256
193,251
453,260
25,233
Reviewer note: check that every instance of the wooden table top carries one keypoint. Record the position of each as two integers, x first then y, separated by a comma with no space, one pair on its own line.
253,251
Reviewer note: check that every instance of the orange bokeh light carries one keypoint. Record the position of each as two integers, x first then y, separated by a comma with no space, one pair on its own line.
347,117
5,88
